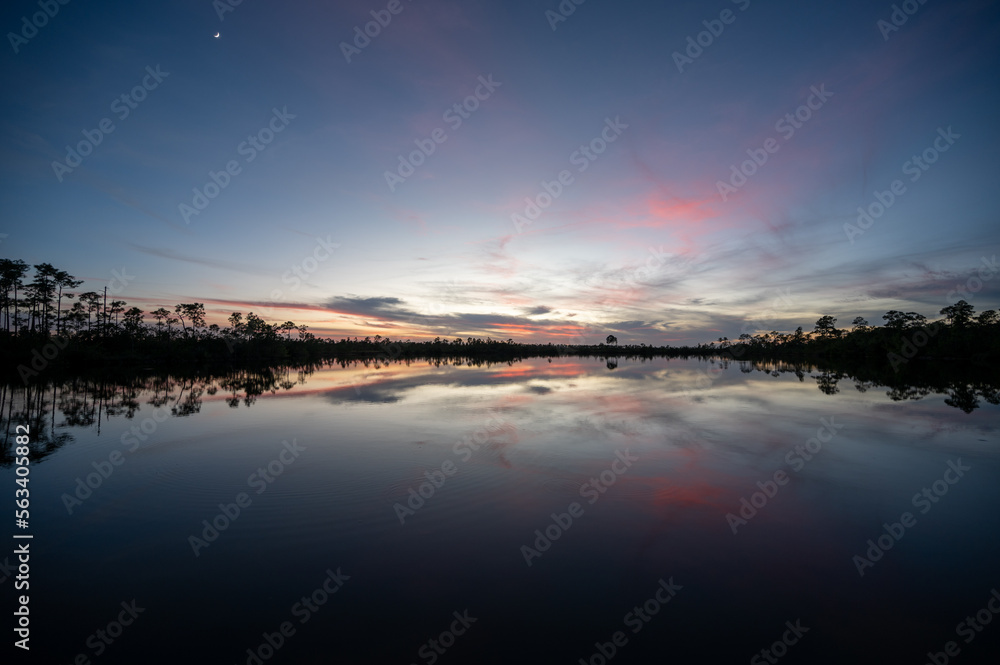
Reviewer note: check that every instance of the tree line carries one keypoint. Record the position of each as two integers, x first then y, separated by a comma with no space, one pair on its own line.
99,329
902,337
35,308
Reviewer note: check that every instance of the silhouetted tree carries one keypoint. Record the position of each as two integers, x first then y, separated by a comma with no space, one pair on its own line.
826,326
161,316
117,307
76,317
12,273
92,301
42,292
196,315
67,281
238,330
171,321
898,321
133,321
959,314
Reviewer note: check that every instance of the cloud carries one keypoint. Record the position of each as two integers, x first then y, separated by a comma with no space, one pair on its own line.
197,260
377,307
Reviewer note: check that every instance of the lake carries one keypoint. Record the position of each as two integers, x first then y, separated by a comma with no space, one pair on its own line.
553,510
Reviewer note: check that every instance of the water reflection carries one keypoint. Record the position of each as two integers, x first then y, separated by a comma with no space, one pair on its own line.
425,479
86,402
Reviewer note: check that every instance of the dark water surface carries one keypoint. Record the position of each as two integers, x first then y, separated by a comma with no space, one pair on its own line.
631,470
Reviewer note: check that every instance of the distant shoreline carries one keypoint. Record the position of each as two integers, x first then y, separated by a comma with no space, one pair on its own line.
38,333
34,358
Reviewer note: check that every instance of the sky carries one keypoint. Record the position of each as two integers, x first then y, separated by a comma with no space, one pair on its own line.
668,173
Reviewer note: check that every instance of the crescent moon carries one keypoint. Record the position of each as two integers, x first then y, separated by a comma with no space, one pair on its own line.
217,35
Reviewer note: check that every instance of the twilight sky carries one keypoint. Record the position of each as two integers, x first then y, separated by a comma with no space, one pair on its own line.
583,175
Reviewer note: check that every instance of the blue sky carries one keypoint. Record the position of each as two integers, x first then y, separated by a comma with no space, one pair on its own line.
640,243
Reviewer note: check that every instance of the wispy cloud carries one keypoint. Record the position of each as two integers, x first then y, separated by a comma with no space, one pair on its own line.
201,261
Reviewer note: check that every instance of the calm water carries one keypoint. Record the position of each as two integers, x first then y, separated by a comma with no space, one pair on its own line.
621,487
